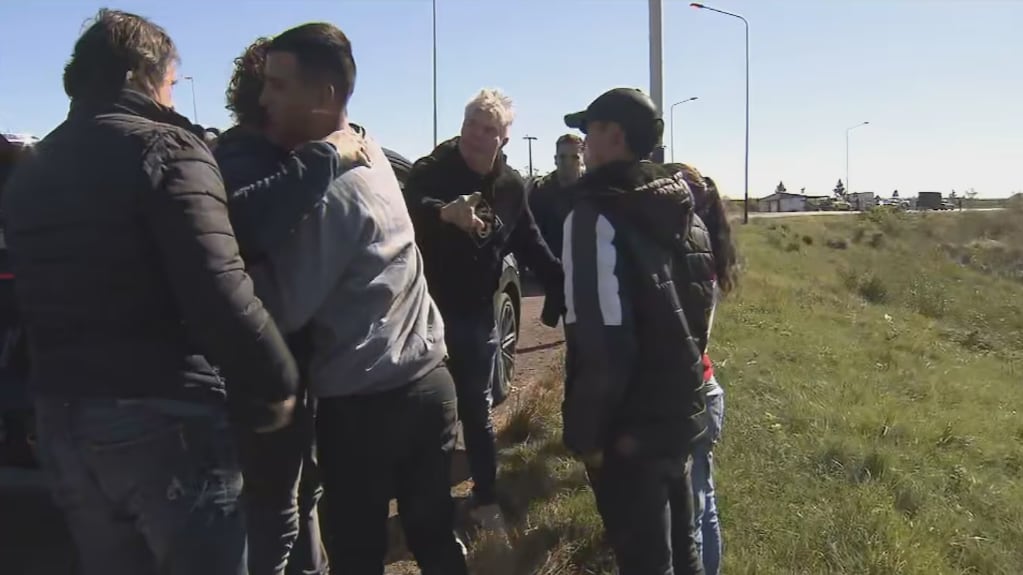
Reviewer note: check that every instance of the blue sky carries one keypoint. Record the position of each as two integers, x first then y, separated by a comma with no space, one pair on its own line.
939,80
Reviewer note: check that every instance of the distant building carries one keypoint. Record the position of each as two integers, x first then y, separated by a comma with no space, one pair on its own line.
862,200
785,202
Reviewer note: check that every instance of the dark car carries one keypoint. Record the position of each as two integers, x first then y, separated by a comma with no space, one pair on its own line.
507,302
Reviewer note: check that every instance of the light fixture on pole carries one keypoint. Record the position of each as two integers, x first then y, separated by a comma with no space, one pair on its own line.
672,128
848,187
745,203
195,110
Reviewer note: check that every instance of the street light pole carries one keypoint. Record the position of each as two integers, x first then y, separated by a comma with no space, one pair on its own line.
672,128
657,69
435,73
530,140
195,110
848,187
745,203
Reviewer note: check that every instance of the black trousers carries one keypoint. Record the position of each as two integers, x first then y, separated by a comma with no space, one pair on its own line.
282,489
392,444
647,508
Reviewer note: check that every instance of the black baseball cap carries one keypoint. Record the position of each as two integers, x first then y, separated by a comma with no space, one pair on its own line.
630,108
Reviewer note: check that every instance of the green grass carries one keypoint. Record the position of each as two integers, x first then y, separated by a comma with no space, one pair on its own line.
873,375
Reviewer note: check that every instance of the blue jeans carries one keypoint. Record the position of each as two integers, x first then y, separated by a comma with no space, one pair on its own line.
472,348
708,529
146,486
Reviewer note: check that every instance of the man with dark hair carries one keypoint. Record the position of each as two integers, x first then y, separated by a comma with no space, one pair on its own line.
350,277
550,199
639,290
129,278
270,189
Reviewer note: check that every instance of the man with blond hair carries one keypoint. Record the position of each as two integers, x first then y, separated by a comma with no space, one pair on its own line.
469,210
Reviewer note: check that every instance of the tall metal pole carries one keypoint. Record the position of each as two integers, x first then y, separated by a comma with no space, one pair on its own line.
195,110
530,140
672,128
848,186
657,69
745,203
435,73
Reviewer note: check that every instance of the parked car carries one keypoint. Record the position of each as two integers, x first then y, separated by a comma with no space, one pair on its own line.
507,302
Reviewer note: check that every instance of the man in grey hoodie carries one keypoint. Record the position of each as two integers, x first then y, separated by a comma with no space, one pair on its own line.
351,276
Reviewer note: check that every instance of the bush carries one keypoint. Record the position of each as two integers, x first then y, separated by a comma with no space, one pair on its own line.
872,289
837,244
808,240
876,240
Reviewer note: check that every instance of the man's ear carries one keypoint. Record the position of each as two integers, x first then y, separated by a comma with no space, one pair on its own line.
329,94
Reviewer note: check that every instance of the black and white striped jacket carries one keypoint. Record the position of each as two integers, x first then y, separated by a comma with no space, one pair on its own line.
639,291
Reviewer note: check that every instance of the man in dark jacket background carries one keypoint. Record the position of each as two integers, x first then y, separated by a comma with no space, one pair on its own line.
638,292
131,286
550,198
470,210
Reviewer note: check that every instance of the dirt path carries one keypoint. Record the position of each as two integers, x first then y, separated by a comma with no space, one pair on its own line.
539,351
539,346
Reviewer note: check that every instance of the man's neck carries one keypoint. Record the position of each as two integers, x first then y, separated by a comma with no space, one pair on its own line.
327,125
565,180
481,170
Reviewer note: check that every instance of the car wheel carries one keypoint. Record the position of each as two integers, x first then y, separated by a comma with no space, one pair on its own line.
508,340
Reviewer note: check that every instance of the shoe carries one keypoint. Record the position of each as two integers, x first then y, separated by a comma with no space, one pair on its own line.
461,545
489,518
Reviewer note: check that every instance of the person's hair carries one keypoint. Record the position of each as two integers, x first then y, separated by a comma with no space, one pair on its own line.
568,139
495,103
246,85
715,217
118,50
324,54
643,142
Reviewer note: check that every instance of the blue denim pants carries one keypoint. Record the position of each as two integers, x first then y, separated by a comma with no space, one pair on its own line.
472,352
708,528
146,486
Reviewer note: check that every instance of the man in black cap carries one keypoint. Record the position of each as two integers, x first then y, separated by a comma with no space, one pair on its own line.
638,289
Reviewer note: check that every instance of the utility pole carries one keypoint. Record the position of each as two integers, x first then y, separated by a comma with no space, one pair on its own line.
195,110
657,68
435,73
530,140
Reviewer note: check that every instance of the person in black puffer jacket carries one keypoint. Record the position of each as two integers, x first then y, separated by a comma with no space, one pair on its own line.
470,210
639,281
132,289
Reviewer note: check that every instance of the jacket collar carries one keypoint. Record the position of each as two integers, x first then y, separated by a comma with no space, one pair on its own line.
135,103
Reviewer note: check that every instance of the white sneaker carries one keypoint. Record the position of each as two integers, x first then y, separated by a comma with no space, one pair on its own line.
461,546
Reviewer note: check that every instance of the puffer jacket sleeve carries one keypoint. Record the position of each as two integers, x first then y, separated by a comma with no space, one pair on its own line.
186,211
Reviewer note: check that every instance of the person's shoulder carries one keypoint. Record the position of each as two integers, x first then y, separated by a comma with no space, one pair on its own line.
377,177
511,180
